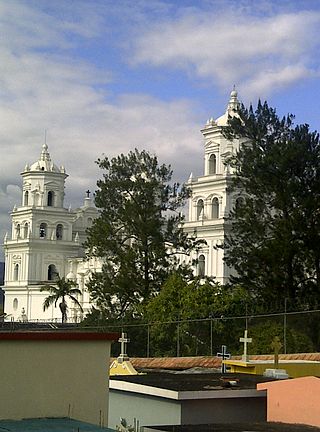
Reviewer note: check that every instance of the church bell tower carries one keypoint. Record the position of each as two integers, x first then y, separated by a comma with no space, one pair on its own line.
211,201
41,240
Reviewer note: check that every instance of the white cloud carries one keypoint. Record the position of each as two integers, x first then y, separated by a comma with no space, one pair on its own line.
46,83
45,89
278,78
230,47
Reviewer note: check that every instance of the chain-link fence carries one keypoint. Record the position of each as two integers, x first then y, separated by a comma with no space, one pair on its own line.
299,331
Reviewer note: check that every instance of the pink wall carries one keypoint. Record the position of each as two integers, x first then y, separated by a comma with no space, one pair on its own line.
293,401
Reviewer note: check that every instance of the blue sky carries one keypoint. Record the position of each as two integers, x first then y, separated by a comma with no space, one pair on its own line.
108,76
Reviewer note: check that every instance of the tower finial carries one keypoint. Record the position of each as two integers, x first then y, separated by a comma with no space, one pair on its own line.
233,104
45,156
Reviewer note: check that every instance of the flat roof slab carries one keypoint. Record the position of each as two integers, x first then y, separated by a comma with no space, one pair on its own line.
184,381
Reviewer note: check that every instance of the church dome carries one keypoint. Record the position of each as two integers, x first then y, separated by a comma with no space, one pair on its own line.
231,111
44,163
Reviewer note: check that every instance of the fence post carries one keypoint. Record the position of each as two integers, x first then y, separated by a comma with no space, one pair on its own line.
285,327
148,342
178,339
246,315
211,338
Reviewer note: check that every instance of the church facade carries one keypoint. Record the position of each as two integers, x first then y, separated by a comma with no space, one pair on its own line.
46,238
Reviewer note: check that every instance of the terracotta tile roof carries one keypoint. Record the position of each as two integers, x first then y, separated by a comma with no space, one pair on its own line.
176,362
208,362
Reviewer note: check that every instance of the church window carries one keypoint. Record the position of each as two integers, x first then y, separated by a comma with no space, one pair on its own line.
200,208
215,208
52,272
26,198
25,230
15,304
201,265
59,231
89,222
43,230
18,230
212,164
16,272
50,199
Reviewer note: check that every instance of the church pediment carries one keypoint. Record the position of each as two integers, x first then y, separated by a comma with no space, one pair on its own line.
212,145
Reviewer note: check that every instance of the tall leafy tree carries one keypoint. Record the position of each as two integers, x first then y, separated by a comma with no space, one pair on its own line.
60,291
137,233
274,244
193,311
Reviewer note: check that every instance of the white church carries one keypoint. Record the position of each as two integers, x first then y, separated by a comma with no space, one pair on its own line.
46,238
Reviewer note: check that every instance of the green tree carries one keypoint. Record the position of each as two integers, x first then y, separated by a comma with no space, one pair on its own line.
62,290
274,241
137,233
264,333
201,307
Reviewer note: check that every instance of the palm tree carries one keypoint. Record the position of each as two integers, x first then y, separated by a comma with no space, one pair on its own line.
62,289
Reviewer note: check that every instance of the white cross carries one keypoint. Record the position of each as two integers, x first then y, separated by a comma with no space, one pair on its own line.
223,355
245,340
123,340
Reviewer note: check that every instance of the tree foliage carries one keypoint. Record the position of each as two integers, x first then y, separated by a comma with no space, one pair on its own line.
193,312
62,290
137,233
275,236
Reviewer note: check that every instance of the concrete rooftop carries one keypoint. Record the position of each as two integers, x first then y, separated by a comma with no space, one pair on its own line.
196,380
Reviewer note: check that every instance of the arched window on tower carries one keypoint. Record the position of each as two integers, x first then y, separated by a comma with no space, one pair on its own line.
52,272
89,222
200,209
16,272
15,304
201,266
25,230
215,208
59,232
212,164
43,230
26,198
50,199
18,231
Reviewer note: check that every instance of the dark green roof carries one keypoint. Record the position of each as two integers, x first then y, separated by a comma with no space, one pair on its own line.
49,425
